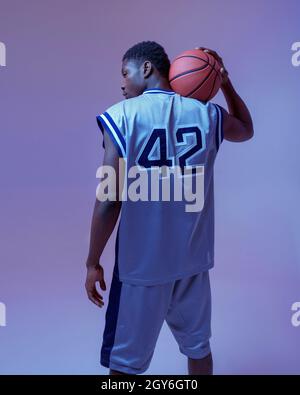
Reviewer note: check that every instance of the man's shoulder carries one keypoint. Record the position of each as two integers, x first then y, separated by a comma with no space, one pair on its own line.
195,102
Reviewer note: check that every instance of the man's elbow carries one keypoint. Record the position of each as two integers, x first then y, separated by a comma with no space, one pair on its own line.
248,133
242,134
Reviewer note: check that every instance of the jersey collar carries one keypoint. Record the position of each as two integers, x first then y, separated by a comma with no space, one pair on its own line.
158,90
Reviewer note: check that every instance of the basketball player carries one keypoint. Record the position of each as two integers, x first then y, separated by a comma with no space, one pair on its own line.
163,253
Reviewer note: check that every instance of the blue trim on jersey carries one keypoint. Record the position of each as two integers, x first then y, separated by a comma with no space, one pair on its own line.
219,127
221,123
158,90
111,316
105,121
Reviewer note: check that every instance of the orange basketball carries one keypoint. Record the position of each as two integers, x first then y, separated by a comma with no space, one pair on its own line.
195,74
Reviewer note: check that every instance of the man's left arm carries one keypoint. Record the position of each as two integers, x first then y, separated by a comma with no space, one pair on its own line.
105,216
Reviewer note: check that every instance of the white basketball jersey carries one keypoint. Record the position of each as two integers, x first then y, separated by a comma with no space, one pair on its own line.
160,240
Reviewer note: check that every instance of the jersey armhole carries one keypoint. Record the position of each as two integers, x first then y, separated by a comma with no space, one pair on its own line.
106,122
219,126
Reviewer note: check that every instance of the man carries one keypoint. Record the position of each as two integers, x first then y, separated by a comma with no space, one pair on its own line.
163,252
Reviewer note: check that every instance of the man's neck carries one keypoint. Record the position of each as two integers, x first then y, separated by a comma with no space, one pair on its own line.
160,85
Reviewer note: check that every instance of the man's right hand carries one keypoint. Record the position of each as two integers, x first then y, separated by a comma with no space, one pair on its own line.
223,71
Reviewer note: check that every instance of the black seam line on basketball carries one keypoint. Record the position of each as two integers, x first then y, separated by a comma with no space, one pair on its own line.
206,78
212,86
213,83
206,56
194,90
192,56
208,64
187,72
199,86
217,71
197,57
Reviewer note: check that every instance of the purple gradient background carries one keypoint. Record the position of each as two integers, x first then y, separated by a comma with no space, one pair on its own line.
63,68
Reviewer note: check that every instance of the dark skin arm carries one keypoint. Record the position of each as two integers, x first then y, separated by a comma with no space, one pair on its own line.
105,216
237,124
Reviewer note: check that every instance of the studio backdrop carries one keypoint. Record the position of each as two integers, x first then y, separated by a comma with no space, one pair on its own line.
60,66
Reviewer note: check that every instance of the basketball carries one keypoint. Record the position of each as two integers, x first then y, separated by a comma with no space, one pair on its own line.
196,74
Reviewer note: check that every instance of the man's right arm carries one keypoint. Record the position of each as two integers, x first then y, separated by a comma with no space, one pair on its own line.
237,124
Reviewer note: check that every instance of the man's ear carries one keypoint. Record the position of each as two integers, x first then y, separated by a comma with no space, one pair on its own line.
148,66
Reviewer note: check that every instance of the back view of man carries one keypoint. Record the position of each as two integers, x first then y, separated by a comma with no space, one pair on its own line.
165,244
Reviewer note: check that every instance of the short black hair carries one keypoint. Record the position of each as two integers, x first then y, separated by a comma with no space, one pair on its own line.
149,50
